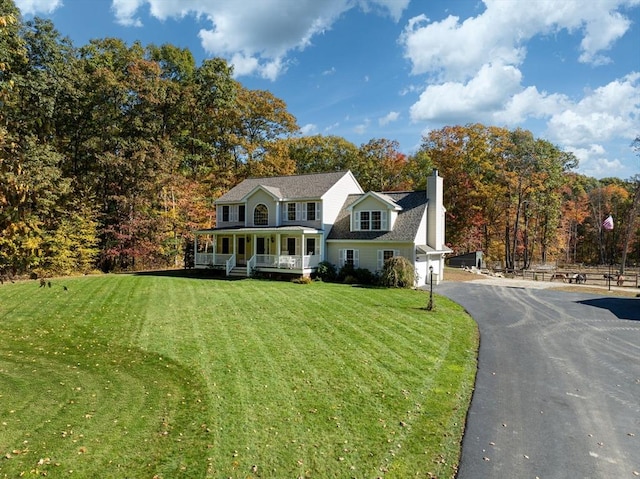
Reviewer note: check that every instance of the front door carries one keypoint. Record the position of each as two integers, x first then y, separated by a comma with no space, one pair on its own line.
291,246
241,257
261,247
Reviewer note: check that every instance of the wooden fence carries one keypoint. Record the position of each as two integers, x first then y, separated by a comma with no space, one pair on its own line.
593,276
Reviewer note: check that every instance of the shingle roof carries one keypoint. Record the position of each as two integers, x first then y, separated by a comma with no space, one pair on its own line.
413,205
290,187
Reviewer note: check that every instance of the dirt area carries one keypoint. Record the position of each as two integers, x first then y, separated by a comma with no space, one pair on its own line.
457,275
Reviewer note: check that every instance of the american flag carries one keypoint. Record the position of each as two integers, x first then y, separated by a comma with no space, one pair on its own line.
608,223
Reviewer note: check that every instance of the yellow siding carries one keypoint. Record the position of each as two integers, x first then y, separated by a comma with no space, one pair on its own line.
368,252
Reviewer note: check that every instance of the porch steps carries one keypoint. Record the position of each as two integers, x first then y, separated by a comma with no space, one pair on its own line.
238,272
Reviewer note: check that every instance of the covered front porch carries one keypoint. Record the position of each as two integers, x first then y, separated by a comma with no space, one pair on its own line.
245,251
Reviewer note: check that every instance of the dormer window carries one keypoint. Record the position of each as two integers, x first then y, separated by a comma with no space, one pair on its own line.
261,215
371,220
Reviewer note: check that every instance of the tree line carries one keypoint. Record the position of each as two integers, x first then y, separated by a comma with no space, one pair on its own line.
112,154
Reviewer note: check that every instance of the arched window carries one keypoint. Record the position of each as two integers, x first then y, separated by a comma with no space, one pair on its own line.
260,215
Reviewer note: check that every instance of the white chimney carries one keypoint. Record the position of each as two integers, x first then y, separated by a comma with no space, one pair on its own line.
435,211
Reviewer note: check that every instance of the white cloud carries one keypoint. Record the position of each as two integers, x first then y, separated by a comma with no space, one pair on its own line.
454,50
125,12
601,32
389,118
257,34
309,129
362,127
476,100
593,161
473,72
332,127
35,7
607,112
530,103
393,7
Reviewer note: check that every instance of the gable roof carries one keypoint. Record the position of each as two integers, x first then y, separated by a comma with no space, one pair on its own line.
272,190
383,197
285,187
413,204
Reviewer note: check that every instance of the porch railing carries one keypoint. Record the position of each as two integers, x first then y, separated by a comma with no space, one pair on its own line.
311,261
266,260
204,259
251,264
284,261
230,264
212,259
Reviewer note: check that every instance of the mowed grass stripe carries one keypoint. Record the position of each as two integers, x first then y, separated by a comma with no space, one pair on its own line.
212,378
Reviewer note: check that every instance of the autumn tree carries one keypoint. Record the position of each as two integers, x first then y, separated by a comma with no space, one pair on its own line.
502,190
470,159
575,211
632,217
319,154
381,166
608,198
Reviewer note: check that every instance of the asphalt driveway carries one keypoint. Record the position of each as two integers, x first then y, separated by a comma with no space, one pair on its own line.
558,386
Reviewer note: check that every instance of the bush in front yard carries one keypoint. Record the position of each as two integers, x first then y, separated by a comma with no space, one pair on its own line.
326,272
398,272
350,275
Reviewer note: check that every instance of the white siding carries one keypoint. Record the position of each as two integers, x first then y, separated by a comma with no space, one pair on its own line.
335,197
422,271
435,212
421,235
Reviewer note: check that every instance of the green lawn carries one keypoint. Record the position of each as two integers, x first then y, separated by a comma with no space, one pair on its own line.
145,376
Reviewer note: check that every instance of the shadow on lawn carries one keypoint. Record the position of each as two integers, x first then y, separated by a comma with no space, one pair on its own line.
188,273
623,308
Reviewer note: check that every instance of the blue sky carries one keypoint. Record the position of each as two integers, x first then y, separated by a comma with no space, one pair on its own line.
568,70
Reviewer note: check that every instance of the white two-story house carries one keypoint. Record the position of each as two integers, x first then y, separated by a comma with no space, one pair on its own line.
289,224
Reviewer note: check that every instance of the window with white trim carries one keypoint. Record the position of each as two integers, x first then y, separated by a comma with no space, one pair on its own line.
260,215
384,255
376,220
311,211
290,245
233,213
302,211
349,257
311,246
291,211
